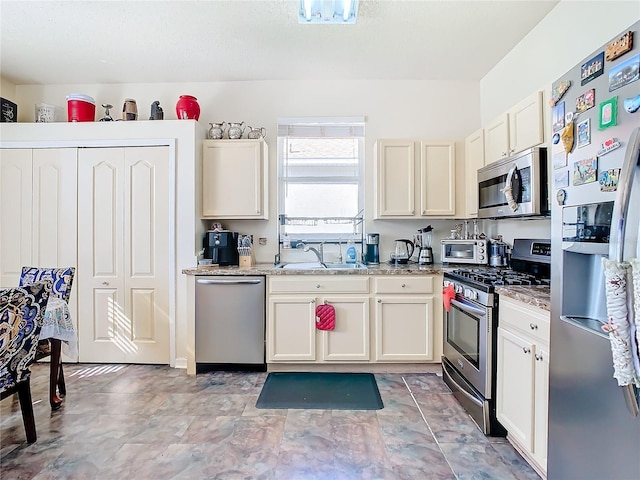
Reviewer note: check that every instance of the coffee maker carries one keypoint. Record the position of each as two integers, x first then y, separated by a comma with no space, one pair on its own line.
221,246
372,257
425,255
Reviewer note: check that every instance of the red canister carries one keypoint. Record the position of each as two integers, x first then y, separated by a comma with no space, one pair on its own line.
187,108
81,108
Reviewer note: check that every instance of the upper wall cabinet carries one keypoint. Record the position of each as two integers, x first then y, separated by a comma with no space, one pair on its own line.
520,128
474,160
401,183
235,179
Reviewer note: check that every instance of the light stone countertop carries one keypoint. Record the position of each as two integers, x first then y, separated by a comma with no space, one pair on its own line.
270,269
535,295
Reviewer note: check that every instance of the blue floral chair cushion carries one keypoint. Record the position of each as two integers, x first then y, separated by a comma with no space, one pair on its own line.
21,314
61,279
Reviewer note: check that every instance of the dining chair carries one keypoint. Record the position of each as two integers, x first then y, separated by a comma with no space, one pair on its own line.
21,314
61,282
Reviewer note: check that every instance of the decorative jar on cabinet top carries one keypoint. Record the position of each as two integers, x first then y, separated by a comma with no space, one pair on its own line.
187,108
256,133
216,130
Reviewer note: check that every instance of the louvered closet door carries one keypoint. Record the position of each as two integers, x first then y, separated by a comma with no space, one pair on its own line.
123,234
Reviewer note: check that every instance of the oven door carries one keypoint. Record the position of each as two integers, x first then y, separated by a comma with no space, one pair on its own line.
467,342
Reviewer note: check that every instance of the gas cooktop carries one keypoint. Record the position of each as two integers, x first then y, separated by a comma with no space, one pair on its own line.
495,277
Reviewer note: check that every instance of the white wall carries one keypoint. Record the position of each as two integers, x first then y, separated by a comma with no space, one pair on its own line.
393,109
8,90
570,32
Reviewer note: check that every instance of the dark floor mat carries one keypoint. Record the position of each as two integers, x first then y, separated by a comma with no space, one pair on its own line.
319,390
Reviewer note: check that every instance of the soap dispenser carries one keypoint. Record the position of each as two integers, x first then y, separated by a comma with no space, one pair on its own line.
351,253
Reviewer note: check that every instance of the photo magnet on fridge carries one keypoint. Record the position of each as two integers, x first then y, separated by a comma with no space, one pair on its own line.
607,116
559,160
585,171
557,117
624,73
619,46
586,101
558,91
584,133
593,68
609,180
561,179
632,105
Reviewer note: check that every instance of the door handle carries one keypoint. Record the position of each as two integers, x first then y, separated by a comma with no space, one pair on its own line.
228,282
467,308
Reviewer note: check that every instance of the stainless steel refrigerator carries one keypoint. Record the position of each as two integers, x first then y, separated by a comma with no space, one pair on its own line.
594,424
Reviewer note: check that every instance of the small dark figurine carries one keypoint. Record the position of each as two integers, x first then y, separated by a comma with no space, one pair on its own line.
107,117
156,111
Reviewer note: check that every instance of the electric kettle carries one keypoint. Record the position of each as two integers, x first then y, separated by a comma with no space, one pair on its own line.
402,252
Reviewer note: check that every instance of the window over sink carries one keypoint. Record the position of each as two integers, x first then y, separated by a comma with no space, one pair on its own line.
321,178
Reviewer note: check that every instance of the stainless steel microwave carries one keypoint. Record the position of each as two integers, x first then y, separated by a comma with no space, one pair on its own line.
515,187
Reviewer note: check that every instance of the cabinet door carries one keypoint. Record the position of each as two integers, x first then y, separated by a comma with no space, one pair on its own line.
395,176
234,179
291,328
474,160
541,407
496,139
16,207
526,124
124,260
403,328
350,338
515,387
437,178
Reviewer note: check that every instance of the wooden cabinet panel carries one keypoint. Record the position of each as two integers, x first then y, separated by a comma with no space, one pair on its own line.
437,178
526,127
474,160
349,341
496,139
395,178
291,329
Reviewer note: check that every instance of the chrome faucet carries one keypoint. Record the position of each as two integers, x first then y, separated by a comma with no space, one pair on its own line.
307,248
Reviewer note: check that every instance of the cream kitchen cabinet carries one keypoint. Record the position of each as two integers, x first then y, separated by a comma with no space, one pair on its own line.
291,324
522,378
401,183
235,179
124,265
38,212
474,160
404,318
516,130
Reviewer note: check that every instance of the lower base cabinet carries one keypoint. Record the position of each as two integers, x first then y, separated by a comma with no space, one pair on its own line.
523,378
402,329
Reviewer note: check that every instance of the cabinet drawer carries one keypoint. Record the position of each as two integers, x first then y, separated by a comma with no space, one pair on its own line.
320,284
404,284
532,321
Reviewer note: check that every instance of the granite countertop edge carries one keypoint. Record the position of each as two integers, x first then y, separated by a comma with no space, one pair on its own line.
270,269
534,295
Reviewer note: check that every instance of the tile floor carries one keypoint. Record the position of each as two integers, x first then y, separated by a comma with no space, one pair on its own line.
153,422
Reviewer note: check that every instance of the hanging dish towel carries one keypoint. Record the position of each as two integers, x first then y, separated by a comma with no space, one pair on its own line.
635,273
447,294
620,319
325,317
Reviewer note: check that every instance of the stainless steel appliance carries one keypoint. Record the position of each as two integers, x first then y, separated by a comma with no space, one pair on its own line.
594,424
515,186
402,251
471,326
472,251
230,323
372,255
425,252
221,246
498,253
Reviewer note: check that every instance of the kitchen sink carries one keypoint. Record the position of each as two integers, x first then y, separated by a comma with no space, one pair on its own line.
320,266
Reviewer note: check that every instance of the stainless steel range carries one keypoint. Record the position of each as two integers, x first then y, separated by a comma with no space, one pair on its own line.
471,325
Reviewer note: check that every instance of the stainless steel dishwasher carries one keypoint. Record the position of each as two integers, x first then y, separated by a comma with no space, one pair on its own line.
230,323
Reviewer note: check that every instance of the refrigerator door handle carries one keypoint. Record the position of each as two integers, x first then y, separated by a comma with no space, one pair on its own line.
621,206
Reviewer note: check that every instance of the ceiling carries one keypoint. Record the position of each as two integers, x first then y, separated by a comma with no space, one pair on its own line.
73,42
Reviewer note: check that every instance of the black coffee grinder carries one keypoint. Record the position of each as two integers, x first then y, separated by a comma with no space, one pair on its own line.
372,257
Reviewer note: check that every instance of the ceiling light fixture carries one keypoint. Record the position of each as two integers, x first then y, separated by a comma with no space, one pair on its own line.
328,11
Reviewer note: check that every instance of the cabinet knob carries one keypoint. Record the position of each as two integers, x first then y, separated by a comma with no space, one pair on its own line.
512,151
533,326
403,285
105,283
379,301
504,154
318,286
526,349
313,301
538,358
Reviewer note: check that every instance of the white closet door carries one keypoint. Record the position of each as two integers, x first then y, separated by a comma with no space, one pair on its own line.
15,214
123,234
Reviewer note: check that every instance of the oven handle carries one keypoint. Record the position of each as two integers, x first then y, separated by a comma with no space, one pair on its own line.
466,308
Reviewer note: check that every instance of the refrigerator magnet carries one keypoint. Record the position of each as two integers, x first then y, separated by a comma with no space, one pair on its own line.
619,46
607,116
586,101
558,91
624,73
609,145
561,196
609,180
631,105
559,160
567,138
557,115
592,69
561,179
585,171
584,133
556,138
